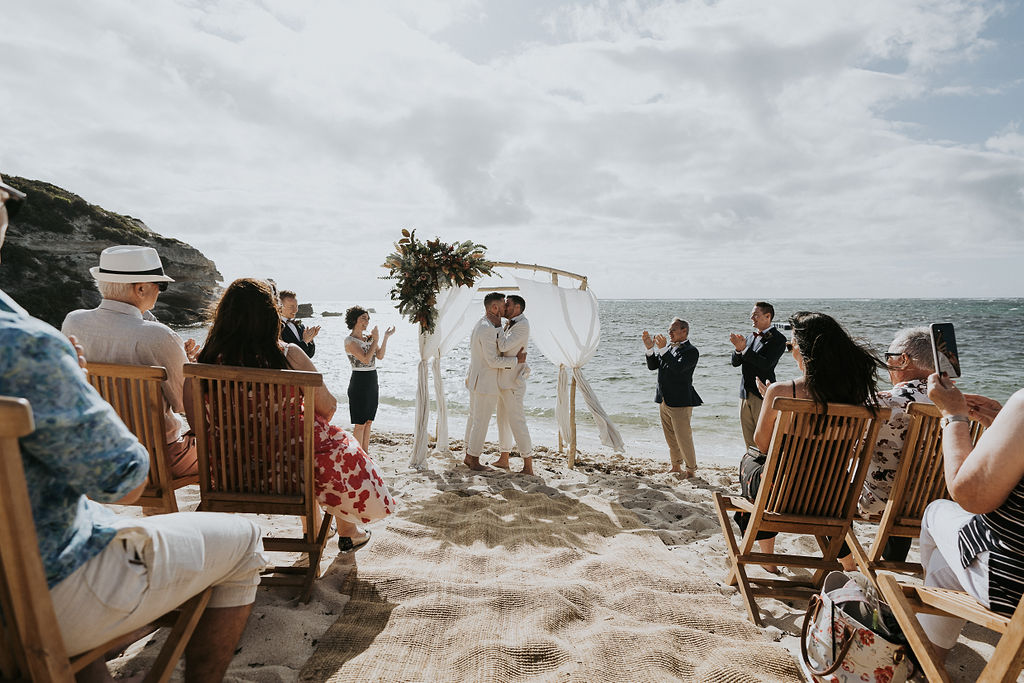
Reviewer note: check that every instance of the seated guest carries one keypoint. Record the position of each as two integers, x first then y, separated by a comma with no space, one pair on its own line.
975,542
110,575
292,329
246,331
836,369
123,330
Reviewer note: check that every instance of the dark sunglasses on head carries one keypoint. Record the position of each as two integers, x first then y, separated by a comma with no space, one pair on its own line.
789,346
14,202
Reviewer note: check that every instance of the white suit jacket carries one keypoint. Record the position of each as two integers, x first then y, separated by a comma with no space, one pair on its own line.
509,343
484,359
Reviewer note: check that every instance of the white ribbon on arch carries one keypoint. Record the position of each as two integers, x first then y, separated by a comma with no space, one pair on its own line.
566,327
452,325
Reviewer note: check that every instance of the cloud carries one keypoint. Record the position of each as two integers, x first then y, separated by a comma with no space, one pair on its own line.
658,147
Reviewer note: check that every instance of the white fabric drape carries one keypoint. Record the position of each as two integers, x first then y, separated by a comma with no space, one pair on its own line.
566,327
453,323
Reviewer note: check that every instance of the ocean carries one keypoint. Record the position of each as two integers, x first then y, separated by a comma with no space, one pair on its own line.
986,332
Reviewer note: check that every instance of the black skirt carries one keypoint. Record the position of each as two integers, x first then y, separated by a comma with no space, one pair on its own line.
363,393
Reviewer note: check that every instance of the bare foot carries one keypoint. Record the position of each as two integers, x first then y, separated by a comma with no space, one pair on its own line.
528,466
502,462
684,474
473,463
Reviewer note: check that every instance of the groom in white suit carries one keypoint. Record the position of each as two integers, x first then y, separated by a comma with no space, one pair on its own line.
512,386
482,379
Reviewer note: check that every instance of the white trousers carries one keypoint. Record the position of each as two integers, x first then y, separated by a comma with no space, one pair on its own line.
512,422
940,557
152,566
481,408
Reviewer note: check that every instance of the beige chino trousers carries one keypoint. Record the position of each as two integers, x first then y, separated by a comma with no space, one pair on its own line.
675,422
750,409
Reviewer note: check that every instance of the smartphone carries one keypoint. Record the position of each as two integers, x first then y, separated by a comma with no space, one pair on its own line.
944,351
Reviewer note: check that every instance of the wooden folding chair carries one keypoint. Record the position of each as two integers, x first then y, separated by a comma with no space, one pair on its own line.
31,647
136,395
255,442
811,482
919,480
908,600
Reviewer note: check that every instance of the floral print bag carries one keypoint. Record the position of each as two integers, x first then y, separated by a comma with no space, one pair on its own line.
838,647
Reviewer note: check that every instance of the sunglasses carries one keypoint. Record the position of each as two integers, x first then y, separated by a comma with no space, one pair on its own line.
14,201
162,286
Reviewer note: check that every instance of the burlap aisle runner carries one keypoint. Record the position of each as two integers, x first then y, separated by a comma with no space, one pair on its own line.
521,586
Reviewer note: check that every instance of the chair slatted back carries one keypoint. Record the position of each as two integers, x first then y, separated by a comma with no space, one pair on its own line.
30,641
257,438
920,478
136,394
817,458
254,431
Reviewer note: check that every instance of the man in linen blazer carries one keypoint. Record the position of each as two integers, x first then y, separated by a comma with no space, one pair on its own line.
512,386
482,378
758,353
675,361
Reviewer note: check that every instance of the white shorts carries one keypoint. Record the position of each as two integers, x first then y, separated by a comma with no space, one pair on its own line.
152,566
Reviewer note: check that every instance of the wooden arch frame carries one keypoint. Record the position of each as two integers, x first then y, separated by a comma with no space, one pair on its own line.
554,272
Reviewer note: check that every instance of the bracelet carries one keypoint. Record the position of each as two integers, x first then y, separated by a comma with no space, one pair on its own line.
950,419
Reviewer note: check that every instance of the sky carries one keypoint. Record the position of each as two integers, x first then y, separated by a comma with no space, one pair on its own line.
690,149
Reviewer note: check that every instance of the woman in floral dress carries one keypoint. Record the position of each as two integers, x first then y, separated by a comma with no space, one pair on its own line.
246,331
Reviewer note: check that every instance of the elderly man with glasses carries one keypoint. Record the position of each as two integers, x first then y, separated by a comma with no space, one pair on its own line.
110,575
122,329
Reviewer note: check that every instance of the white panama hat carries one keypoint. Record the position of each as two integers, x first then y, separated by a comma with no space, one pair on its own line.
129,263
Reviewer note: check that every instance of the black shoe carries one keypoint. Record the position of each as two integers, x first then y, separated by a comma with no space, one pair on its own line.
346,545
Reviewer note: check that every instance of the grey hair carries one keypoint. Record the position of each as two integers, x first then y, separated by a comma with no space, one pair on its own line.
916,342
115,291
685,325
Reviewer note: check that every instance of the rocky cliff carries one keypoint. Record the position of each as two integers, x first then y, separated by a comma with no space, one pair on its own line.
58,236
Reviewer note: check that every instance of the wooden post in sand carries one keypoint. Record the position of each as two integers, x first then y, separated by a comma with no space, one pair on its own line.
572,420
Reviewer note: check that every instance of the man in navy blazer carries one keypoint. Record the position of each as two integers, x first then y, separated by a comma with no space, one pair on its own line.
675,360
757,353
292,329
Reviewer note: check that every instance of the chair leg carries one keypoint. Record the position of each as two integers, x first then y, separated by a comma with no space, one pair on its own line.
903,610
178,639
316,552
737,573
1008,658
861,557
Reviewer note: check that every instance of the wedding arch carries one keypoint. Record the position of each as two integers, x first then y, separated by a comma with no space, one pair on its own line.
565,326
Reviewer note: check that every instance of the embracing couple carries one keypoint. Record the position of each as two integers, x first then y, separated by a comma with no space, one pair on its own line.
497,381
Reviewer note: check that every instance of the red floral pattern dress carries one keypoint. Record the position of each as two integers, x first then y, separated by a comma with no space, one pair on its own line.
348,483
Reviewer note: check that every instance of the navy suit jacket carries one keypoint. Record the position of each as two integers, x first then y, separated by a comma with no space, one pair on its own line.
675,376
763,354
288,337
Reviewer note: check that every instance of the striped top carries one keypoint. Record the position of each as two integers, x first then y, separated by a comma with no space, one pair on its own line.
1001,532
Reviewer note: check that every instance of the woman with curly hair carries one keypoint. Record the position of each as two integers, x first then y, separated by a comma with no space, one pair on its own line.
246,331
364,350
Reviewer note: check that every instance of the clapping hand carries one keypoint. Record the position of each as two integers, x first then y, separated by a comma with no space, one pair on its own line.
648,342
739,341
79,351
762,386
388,332
660,341
191,350
310,333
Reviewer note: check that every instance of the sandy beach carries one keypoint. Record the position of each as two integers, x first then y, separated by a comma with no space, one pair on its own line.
610,571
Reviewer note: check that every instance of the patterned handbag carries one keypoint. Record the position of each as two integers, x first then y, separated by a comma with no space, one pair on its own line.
836,647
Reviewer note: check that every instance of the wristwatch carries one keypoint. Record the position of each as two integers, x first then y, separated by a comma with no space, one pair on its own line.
950,419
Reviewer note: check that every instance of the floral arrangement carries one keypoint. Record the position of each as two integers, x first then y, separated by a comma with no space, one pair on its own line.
422,269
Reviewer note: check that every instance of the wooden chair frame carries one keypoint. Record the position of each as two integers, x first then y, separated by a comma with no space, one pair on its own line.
278,477
811,482
31,647
908,600
135,393
919,480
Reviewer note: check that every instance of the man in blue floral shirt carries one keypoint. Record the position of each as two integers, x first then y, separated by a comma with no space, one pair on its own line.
109,575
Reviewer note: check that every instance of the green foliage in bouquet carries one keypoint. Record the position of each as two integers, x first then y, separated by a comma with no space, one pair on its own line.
422,269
